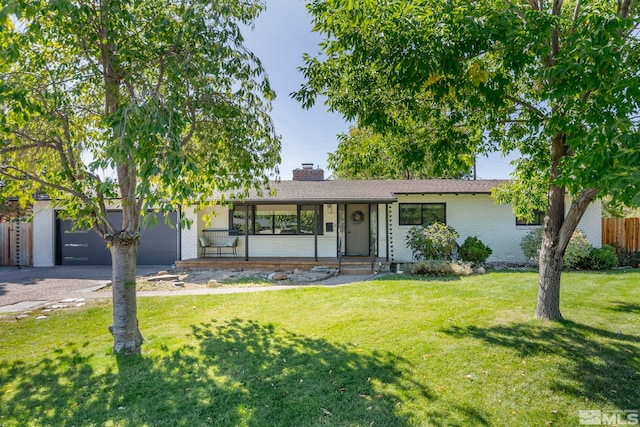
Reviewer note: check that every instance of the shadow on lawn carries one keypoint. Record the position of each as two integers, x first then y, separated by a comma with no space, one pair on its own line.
233,373
625,307
600,365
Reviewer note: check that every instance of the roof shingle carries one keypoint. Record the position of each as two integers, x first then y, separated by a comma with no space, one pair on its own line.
381,191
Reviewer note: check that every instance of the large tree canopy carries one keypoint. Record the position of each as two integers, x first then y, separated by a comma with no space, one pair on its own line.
151,103
558,81
366,154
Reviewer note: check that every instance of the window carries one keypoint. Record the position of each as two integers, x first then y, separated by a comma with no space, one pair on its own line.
422,213
538,219
238,219
277,219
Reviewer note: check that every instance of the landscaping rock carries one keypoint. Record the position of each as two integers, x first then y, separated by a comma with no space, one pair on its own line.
480,270
168,277
278,275
22,316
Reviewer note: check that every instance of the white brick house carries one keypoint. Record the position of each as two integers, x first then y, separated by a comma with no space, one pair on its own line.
354,217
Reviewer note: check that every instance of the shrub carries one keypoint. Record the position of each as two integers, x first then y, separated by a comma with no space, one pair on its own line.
629,258
436,241
440,267
577,250
603,258
531,244
474,251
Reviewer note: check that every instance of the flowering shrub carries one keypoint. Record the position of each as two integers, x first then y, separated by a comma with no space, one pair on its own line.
435,241
577,250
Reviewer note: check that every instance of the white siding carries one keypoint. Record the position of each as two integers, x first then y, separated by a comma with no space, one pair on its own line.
44,241
189,236
478,215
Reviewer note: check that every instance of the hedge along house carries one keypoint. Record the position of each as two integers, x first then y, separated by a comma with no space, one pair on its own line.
310,217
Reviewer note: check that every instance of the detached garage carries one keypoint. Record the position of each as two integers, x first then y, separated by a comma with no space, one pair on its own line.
158,244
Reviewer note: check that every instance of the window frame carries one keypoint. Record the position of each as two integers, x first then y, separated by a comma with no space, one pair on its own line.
299,208
422,219
537,221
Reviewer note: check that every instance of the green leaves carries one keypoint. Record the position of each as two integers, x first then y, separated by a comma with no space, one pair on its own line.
156,102
515,75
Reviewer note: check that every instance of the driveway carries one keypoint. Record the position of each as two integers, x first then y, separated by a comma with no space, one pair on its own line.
35,286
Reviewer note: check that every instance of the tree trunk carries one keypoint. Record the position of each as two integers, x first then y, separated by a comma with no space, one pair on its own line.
127,338
551,259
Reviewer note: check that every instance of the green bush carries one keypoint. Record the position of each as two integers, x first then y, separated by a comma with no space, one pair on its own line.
603,258
440,267
577,250
531,244
474,251
629,258
435,241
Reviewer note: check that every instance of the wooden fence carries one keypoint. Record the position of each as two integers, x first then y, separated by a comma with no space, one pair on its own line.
16,238
621,233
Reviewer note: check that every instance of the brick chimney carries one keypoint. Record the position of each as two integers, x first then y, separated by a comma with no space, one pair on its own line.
308,173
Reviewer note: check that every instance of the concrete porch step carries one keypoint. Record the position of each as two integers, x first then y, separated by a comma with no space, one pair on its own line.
355,270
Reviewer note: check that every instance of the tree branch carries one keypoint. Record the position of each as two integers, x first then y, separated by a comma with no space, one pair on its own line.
24,176
576,211
624,6
517,10
576,14
526,105
13,149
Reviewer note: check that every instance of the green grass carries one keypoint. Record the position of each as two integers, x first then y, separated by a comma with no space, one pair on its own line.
453,352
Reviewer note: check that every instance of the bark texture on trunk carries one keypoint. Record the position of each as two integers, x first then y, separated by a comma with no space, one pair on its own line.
550,269
127,338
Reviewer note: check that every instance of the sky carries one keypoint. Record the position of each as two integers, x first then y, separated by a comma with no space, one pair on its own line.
282,34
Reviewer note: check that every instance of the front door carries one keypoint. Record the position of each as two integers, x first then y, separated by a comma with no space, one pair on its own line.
357,228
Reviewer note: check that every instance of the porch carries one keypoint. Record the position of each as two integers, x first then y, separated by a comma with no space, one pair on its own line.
348,265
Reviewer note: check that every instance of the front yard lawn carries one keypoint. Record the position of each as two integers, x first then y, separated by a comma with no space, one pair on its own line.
450,352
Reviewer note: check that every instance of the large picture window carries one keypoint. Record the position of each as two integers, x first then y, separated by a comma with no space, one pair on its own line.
277,219
422,213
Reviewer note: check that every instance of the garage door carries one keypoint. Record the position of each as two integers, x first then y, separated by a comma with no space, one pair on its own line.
158,244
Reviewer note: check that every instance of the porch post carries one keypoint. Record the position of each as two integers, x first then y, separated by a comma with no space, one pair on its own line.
386,228
246,232
315,231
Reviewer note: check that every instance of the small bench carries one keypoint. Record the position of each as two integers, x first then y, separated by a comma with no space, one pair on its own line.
218,240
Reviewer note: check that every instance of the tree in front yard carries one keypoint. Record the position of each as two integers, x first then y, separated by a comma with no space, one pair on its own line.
557,81
150,104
